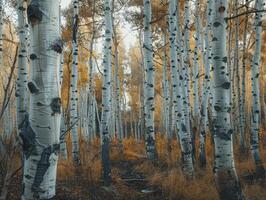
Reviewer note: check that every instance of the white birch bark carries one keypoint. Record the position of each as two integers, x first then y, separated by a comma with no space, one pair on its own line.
184,67
195,78
125,113
186,56
63,147
106,92
256,108
148,55
21,84
83,108
180,123
40,132
117,88
61,72
206,86
225,173
143,116
74,87
94,113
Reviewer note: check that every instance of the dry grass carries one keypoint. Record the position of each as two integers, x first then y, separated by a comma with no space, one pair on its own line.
164,175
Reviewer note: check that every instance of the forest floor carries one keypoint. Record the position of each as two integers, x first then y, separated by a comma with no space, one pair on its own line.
135,178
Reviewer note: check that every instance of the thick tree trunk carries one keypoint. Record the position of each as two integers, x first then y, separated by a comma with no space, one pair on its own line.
148,55
225,174
184,67
255,71
40,131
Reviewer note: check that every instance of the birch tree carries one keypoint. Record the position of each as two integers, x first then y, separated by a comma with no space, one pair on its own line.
206,86
21,85
106,92
148,55
243,83
195,79
63,146
178,114
117,117
74,86
256,108
40,131
184,67
225,174
91,96
186,54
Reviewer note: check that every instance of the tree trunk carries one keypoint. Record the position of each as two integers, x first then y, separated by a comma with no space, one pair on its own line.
179,114
255,71
242,116
225,174
91,92
195,78
117,90
40,132
106,93
63,147
206,87
148,55
21,85
74,119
